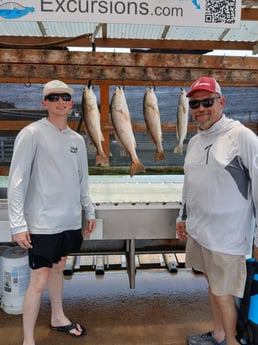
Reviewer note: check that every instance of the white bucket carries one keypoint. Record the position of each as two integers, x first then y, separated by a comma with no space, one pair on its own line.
16,275
2,248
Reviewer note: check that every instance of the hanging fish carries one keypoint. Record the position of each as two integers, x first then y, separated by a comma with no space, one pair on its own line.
121,120
152,119
91,117
182,121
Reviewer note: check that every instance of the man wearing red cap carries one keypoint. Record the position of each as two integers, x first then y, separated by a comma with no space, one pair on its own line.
217,216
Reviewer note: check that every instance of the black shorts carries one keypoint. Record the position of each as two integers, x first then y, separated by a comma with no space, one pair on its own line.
49,249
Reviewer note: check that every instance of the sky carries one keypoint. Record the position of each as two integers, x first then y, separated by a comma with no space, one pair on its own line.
126,50
233,53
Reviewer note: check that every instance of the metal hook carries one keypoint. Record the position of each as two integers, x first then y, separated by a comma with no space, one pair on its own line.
93,45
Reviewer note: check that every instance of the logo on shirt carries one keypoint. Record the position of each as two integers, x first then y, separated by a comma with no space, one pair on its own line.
73,149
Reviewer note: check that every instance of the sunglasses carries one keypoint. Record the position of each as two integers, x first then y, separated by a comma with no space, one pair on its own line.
54,97
206,102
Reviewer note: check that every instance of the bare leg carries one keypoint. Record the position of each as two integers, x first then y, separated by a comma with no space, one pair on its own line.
228,310
218,326
55,289
31,305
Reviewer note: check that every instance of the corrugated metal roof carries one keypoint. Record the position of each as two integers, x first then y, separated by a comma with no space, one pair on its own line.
52,29
248,31
130,31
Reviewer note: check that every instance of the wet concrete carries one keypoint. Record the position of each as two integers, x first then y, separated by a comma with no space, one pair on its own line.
163,309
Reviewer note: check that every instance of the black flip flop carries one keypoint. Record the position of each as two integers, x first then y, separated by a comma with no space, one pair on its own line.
66,329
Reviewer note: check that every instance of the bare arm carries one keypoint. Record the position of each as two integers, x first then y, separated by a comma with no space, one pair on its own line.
23,239
181,231
91,225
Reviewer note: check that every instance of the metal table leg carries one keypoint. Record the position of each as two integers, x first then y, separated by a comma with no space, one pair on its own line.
130,256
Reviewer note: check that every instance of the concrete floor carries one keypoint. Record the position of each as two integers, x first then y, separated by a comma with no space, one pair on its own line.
162,310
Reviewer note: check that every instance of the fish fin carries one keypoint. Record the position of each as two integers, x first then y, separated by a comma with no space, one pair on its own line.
102,160
136,167
160,156
179,149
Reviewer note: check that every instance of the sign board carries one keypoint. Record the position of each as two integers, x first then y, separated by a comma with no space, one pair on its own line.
198,13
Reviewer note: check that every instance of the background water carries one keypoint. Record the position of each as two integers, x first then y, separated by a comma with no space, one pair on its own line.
242,104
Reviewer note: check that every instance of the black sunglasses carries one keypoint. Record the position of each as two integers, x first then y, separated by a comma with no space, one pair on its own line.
54,97
206,102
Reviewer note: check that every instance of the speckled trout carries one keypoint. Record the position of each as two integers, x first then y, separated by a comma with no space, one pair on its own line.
121,120
91,117
182,121
151,116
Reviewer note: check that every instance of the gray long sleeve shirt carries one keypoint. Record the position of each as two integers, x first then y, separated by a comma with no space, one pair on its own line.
48,180
220,193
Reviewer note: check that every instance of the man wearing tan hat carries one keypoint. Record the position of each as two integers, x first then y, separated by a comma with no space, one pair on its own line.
47,191
220,196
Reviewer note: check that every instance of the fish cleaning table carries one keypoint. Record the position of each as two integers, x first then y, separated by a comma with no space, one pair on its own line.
137,208
134,215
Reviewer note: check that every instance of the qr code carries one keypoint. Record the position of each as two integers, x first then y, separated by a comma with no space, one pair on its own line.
220,11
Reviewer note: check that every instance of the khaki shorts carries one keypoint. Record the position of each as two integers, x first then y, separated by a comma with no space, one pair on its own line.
226,273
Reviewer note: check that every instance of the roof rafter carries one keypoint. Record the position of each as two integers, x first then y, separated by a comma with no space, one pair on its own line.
85,41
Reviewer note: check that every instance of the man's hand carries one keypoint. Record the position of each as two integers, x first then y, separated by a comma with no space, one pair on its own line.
255,252
23,239
91,225
181,231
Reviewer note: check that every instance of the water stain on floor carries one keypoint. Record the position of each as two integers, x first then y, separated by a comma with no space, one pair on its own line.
162,310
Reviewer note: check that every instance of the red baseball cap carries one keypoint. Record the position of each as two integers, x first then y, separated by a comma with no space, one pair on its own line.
205,83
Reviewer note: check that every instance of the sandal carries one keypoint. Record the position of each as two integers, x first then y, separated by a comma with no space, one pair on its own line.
66,329
204,339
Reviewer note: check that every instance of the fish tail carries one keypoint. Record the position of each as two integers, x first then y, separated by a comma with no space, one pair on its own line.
179,149
136,167
102,160
160,156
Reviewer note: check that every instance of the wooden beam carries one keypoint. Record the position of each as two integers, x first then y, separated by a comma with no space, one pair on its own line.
104,110
249,13
35,66
85,41
121,170
171,44
77,59
167,76
91,59
17,125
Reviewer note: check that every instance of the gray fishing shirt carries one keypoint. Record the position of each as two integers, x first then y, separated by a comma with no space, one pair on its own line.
220,192
48,180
